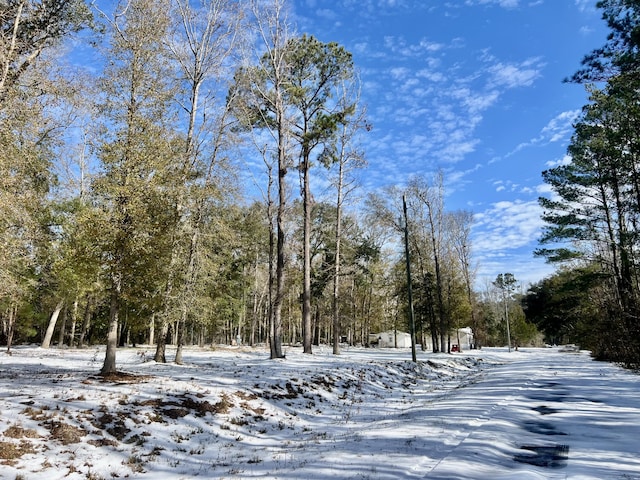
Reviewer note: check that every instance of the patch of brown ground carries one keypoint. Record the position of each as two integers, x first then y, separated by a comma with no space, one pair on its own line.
10,452
120,377
65,433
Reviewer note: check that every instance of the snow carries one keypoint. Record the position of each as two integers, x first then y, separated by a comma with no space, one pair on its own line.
231,413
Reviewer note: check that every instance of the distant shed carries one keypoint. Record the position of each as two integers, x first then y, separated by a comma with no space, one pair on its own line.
391,339
466,338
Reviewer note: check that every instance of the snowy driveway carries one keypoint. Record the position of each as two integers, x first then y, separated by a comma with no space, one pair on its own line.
545,414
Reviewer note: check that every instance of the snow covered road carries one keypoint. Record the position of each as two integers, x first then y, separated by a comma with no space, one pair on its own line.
367,414
544,414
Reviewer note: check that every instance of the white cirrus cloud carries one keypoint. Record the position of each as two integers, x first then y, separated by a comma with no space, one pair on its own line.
399,46
513,75
501,3
559,128
507,225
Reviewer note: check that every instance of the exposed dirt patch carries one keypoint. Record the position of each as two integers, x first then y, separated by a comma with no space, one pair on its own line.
36,414
65,433
182,405
10,452
246,395
327,383
112,424
103,442
120,377
289,391
16,431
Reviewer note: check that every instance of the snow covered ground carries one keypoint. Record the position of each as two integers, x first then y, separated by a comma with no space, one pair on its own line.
366,414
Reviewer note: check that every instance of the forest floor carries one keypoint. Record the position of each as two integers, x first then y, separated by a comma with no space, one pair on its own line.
231,413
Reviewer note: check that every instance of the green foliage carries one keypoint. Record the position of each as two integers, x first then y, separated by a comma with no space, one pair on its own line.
594,215
621,52
29,27
562,305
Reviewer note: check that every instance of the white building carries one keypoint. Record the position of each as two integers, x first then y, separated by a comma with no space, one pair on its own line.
391,339
465,335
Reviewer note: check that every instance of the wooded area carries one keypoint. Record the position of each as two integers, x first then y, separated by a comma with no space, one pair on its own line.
127,215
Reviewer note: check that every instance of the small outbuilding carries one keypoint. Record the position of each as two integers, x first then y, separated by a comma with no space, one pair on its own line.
390,339
466,339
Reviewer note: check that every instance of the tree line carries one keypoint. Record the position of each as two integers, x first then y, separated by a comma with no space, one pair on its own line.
593,215
125,133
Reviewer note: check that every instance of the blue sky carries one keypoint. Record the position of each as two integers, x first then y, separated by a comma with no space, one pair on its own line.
472,87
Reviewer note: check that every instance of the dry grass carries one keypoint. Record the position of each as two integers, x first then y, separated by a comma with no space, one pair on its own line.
64,433
16,431
10,452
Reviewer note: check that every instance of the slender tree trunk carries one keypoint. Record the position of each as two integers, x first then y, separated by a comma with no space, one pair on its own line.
74,321
63,328
276,328
86,322
255,306
335,306
46,341
190,281
307,334
109,365
11,47
180,335
10,326
152,329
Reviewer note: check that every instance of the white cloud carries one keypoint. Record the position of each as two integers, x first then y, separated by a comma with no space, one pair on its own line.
515,75
326,13
565,160
399,73
431,74
507,225
560,126
481,102
501,3
584,5
544,189
558,129
399,46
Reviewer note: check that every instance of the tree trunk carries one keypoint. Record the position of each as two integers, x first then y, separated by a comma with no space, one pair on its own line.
255,307
307,334
63,328
46,341
276,327
335,307
161,346
152,329
109,365
86,322
10,326
180,335
74,321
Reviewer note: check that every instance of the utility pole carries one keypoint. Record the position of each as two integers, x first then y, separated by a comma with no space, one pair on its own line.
412,324
506,315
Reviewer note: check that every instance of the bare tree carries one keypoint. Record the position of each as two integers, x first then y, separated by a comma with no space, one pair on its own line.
201,43
432,199
347,158
460,234
259,103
